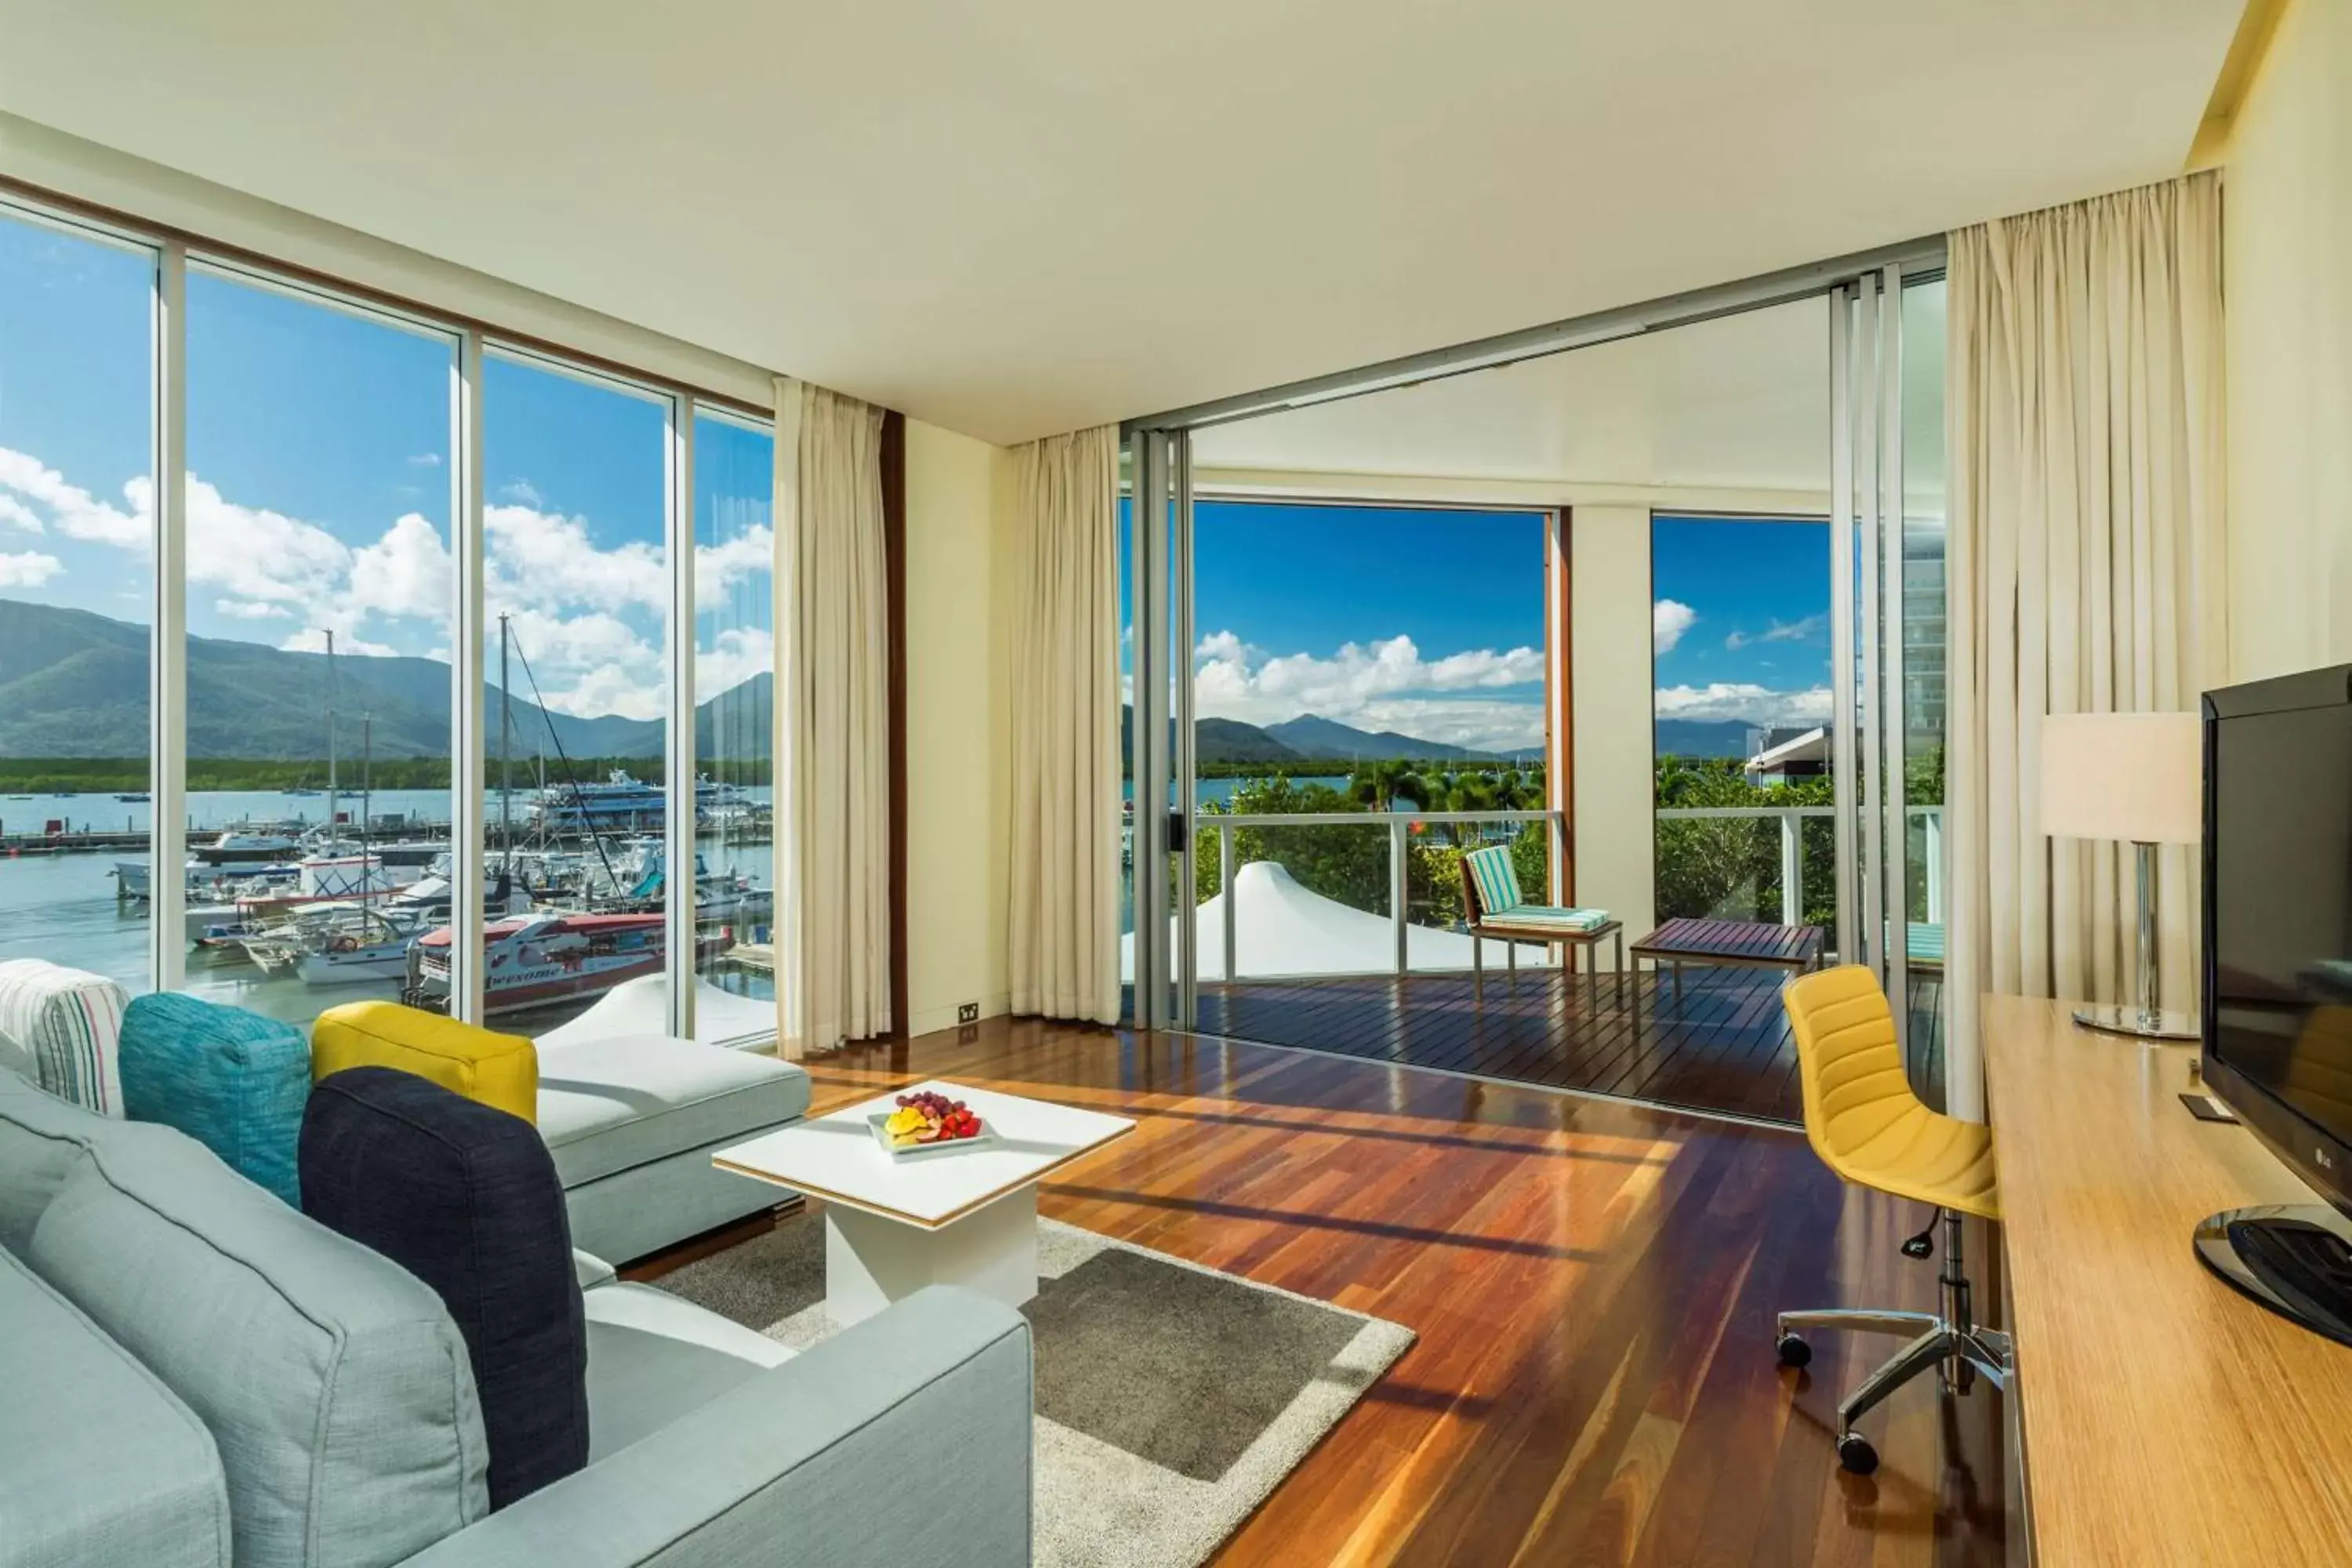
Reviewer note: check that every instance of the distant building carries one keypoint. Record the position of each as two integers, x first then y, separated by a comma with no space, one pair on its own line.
1778,755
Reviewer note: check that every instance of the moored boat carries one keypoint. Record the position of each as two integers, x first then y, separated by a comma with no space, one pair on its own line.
543,958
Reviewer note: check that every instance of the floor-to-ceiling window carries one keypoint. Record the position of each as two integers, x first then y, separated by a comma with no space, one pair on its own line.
734,725
1740,696
311,530
76,596
576,597
319,582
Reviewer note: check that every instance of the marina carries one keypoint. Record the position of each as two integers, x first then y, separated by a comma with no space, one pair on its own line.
289,915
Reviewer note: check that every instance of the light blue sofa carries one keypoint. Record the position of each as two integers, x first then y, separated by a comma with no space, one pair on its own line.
198,1376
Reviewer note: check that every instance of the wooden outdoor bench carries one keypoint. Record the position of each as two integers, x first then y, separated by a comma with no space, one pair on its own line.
1738,944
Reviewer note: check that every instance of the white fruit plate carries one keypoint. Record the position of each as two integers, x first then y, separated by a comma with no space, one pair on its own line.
985,1138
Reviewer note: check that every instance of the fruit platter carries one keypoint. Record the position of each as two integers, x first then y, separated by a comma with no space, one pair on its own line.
926,1124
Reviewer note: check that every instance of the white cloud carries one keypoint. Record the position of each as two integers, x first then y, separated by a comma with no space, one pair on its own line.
253,553
1778,631
425,460
611,689
737,654
717,568
1743,700
521,490
29,569
545,560
77,513
405,573
1374,685
1669,619
587,616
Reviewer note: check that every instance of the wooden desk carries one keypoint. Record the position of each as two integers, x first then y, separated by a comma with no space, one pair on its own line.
2165,1418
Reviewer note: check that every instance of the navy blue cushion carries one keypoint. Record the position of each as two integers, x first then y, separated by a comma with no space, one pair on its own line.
465,1197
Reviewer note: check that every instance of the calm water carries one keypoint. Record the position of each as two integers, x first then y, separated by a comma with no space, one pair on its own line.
1222,790
63,908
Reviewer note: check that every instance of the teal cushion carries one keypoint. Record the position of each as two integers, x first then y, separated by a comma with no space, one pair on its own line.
233,1080
1496,879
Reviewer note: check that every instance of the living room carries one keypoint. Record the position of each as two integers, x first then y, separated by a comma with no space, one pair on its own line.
590,973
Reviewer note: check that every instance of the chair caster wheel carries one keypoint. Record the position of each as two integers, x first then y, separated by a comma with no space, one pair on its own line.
1856,1454
1793,1350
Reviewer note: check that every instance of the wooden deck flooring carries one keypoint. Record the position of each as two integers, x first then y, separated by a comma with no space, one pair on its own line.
1592,1284
1722,1045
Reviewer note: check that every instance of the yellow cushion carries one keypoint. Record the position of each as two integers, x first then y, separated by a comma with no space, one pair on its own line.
1860,1113
499,1070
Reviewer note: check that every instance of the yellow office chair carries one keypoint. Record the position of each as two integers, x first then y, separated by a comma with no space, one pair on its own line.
1868,1126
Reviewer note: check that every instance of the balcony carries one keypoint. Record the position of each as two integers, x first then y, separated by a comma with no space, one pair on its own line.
1342,932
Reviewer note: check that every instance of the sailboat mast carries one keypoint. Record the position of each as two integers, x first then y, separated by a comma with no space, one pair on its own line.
367,787
506,752
331,834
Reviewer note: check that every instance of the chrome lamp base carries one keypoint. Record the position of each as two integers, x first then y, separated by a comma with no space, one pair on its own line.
2147,1020
2145,1023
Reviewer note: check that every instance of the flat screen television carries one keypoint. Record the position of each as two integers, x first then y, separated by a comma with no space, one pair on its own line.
2277,993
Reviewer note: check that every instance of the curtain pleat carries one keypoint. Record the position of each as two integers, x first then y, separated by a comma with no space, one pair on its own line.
1064,941
832,721
2084,567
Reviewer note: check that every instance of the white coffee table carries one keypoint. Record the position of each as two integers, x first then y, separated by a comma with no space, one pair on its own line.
892,1227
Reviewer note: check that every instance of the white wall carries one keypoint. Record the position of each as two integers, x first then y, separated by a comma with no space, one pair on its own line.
957,722
2287,268
1609,641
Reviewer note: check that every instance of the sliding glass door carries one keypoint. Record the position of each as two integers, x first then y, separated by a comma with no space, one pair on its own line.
1162,968
1887,578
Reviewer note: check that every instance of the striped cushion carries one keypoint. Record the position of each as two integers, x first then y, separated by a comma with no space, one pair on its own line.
1554,915
1496,879
69,1022
1926,943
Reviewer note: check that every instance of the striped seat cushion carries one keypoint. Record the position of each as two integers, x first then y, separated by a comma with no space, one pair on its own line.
1496,879
1553,915
69,1022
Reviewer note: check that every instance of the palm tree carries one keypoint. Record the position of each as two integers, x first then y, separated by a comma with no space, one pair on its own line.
1378,784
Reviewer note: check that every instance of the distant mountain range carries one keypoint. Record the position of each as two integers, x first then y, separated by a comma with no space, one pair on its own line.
1703,737
74,684
1310,738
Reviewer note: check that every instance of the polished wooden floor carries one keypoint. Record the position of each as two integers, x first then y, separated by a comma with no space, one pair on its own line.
1719,1043
1593,1287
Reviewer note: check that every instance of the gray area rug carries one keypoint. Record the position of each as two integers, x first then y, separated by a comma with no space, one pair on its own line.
1171,1399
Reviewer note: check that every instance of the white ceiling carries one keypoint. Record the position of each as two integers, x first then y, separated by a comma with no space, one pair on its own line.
1739,404
1025,216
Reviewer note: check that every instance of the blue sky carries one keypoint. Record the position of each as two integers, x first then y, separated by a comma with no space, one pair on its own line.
320,487
1431,622
1739,614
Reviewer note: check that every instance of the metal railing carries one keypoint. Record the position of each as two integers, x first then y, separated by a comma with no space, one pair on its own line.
1930,819
1399,826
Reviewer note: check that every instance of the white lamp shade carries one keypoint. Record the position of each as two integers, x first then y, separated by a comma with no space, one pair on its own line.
2138,777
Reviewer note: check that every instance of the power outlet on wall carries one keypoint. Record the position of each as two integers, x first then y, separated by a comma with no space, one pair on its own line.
968,1013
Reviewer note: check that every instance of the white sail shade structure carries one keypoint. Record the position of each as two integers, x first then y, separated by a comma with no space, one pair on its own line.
1282,929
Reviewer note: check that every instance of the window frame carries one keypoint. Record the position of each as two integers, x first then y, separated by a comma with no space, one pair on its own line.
175,252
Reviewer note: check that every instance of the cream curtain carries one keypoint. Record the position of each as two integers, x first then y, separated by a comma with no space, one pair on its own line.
2085,566
1064,941
832,735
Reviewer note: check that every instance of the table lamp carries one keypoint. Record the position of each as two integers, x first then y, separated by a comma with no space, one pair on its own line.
2138,778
